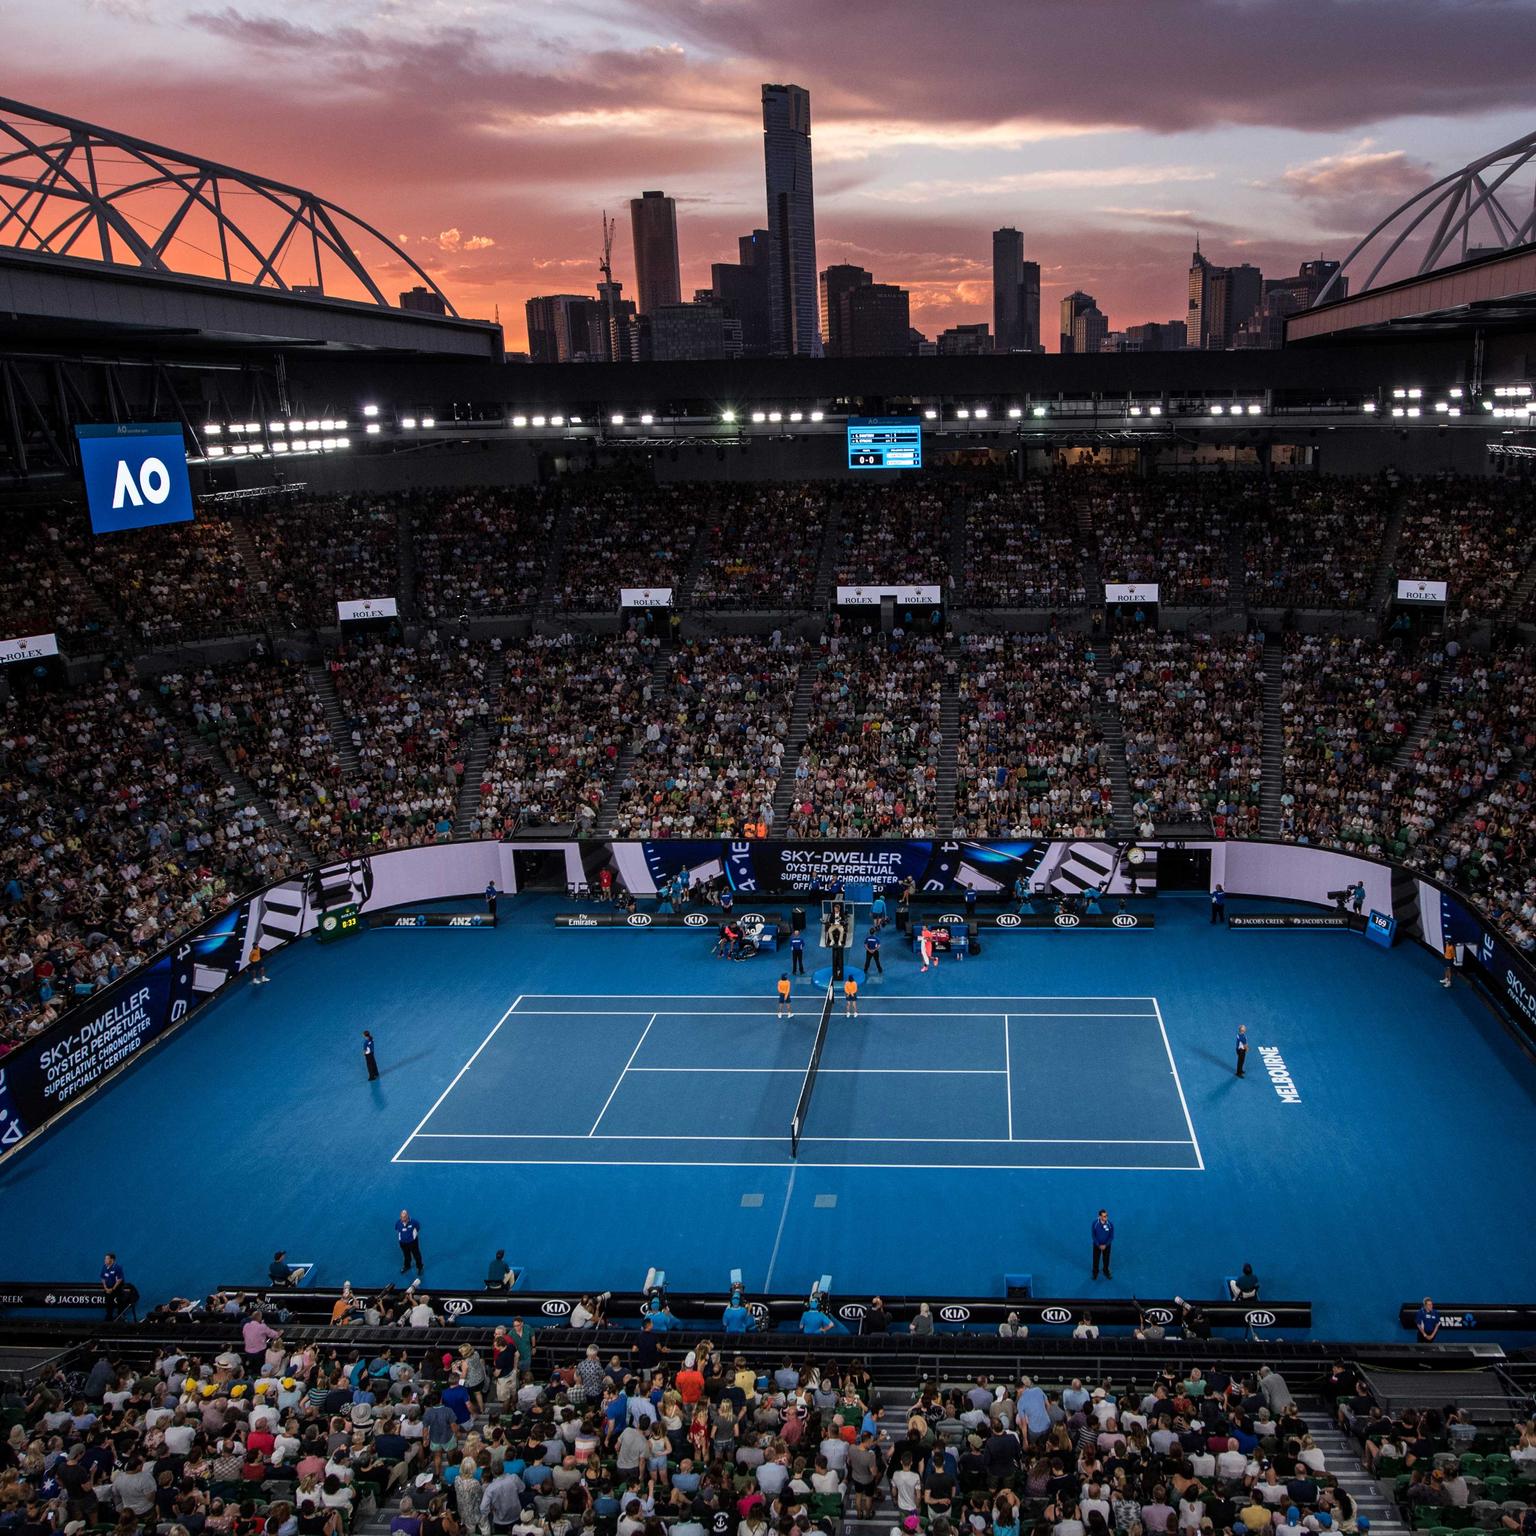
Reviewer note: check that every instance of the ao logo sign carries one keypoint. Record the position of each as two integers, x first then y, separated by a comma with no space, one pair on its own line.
458,1306
696,920
135,476
954,1314
1259,1319
639,919
1066,920
556,1308
1055,1315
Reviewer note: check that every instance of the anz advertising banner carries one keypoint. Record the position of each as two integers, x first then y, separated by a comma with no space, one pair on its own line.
47,1073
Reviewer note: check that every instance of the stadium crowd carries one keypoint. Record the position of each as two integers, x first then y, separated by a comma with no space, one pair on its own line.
619,534
1173,533
1022,548
902,539
1030,757
316,1438
1193,713
1479,534
873,745
713,742
481,551
313,554
761,547
1313,541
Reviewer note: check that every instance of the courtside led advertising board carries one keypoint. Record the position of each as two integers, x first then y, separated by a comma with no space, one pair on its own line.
135,475
885,442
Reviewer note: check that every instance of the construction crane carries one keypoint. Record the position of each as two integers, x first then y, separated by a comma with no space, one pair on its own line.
606,268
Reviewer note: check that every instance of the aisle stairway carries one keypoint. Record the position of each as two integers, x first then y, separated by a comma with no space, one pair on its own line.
255,567
661,671
482,739
1523,589
959,519
949,724
322,685
794,745
1112,729
207,756
1237,567
1273,784
554,562
406,593
826,569
1387,561
1343,1462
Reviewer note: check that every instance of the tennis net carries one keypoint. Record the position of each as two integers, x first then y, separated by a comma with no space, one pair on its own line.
803,1103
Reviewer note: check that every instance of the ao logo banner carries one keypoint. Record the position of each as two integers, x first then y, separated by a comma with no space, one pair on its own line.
135,476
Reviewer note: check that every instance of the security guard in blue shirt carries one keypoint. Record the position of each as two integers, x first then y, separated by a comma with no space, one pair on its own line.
797,953
1427,1320
112,1283
1103,1240
736,1318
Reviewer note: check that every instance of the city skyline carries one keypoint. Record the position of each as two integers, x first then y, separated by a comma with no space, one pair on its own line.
491,141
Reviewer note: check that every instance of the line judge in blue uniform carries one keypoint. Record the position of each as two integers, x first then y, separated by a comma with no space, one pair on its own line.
408,1235
1103,1241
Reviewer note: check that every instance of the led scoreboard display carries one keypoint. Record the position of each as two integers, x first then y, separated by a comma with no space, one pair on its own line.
885,442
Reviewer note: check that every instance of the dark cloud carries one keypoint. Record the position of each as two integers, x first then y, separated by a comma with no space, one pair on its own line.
1166,65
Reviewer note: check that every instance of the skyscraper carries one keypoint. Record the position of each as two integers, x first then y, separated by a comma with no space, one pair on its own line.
1015,294
1073,306
837,281
743,288
1233,294
875,321
653,224
1090,327
1007,289
791,221
1197,321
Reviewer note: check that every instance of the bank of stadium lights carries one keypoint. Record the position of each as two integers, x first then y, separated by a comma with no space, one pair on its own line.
1038,411
1369,407
775,416
373,429
797,415
616,420
538,421
646,419
728,417
818,415
759,417
1014,412
963,413
930,414
370,410
212,429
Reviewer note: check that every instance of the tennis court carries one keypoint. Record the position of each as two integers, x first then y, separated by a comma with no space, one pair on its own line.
912,1082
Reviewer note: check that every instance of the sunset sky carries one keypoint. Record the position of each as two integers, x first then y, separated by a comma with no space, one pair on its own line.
489,136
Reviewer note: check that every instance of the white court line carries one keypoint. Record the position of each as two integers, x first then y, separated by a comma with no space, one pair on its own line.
773,1258
982,997
741,1013
842,1071
1183,1103
595,1162
1008,1073
609,1100
460,1073
980,1141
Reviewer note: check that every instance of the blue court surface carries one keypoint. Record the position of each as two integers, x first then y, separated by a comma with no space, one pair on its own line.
599,1101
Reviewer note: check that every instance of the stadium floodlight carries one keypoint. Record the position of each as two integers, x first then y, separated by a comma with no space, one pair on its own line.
1218,410
797,415
981,413
646,419
775,415
1014,413
343,442
1397,410
1455,410
1442,406
370,410
1254,410
616,420
1522,390
818,415
538,421
1399,394
1368,406
215,452
1135,410
930,414
557,421
212,429
280,446
728,416
962,412
1414,410
1455,392
429,421
274,426
1157,410
327,424
311,426
1039,410
759,416
253,426
341,426
575,421
408,422
1415,394
241,448
373,429
519,421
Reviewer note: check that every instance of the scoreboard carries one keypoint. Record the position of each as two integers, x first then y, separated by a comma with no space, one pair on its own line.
885,442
